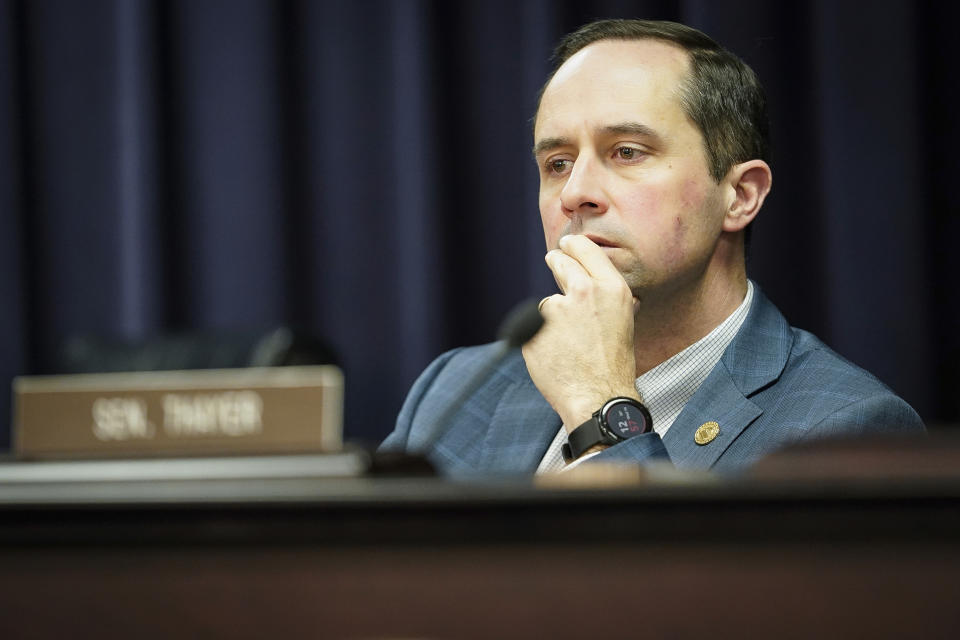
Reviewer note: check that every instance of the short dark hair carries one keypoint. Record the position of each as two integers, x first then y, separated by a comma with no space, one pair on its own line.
722,95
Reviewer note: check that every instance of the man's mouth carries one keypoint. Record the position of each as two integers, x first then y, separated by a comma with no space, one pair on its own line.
602,242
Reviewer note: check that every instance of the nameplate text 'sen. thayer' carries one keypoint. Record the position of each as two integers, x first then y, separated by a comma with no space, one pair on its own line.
160,413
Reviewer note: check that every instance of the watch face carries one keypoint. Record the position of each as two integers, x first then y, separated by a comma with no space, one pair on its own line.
627,420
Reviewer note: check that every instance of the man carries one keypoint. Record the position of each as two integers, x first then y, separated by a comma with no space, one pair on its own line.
651,141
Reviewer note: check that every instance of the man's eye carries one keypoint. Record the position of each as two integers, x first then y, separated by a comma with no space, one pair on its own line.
628,153
558,166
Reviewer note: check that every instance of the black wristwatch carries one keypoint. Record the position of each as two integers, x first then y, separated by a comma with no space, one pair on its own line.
617,420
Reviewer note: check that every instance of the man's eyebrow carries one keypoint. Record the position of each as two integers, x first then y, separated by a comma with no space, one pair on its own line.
630,128
619,129
548,144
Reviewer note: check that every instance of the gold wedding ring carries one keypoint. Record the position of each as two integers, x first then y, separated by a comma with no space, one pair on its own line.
540,306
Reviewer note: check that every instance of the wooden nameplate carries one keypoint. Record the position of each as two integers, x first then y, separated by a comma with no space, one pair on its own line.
173,413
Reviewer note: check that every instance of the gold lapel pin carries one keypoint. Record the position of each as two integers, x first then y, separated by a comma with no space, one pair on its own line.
706,433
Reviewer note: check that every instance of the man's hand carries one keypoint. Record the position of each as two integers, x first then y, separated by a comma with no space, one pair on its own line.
583,355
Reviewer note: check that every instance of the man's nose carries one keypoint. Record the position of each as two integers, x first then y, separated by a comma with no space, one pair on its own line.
584,190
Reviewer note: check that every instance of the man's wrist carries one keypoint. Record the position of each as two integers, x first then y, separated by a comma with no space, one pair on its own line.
618,419
573,418
576,414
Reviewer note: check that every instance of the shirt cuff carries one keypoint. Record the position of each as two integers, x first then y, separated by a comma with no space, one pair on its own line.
579,460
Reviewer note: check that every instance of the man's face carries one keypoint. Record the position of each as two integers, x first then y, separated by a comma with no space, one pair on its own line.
621,163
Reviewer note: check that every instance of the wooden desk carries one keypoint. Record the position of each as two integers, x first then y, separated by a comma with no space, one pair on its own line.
297,553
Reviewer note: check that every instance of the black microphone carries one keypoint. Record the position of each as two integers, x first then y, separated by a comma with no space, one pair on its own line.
521,324
518,327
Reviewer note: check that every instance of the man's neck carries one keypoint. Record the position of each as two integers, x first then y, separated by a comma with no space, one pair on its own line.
663,328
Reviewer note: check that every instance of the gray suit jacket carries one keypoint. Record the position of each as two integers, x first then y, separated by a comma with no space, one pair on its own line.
775,385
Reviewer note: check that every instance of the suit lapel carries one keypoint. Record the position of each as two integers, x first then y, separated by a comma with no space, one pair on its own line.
718,400
755,358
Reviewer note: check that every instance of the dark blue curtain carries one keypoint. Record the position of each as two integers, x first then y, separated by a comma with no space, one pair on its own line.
361,170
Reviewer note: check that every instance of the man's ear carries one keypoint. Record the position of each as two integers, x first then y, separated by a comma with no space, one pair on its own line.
750,183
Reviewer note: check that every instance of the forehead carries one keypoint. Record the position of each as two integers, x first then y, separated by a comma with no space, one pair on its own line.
615,81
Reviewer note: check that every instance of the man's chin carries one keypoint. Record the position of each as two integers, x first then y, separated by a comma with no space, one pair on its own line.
637,282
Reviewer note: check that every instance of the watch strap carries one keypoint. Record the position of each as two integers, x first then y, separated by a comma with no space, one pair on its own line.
583,438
